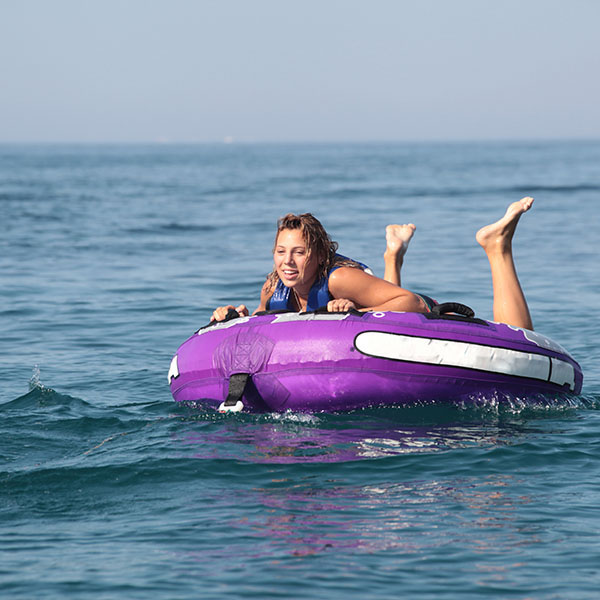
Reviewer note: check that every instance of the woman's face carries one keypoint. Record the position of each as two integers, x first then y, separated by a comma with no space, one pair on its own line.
293,265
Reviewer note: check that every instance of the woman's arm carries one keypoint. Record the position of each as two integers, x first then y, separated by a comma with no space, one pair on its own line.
368,292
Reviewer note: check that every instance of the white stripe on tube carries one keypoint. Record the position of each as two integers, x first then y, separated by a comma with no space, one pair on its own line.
451,353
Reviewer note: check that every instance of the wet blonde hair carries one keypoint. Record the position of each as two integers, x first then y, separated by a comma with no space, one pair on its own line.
318,243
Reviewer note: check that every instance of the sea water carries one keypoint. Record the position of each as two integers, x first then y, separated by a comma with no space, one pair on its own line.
111,256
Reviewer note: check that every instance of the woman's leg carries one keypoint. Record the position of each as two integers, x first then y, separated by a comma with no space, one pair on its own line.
510,306
397,238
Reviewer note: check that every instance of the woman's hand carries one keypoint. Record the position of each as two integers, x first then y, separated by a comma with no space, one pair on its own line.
221,312
340,305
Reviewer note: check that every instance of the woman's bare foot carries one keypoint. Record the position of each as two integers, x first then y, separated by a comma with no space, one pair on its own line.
397,238
498,235
510,305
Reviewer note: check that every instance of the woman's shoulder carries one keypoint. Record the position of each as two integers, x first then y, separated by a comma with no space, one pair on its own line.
348,270
348,275
344,261
266,293
270,286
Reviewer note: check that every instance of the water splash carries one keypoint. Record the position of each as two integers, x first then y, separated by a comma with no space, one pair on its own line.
501,404
34,382
291,417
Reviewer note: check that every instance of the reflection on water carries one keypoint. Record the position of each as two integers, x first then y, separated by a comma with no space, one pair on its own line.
277,443
306,519
398,491
471,525
306,438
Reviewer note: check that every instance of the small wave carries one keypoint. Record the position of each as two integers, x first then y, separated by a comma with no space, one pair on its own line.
19,196
533,188
425,192
168,228
43,399
223,191
47,400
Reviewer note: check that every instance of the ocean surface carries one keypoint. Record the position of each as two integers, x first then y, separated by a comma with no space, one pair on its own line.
111,256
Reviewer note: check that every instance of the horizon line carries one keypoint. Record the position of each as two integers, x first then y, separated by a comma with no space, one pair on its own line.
232,141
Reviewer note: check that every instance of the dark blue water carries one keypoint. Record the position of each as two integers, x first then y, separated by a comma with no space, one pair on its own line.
111,256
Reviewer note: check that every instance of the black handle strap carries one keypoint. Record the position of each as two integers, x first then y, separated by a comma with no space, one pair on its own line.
453,307
237,384
231,314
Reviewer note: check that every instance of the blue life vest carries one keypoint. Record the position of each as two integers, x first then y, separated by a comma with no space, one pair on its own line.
318,295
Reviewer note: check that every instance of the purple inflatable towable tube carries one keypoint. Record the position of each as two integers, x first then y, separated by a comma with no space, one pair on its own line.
345,361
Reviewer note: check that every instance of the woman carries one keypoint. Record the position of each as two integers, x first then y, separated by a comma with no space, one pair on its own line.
308,273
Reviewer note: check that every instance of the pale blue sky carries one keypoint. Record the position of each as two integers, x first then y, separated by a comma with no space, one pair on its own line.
311,70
